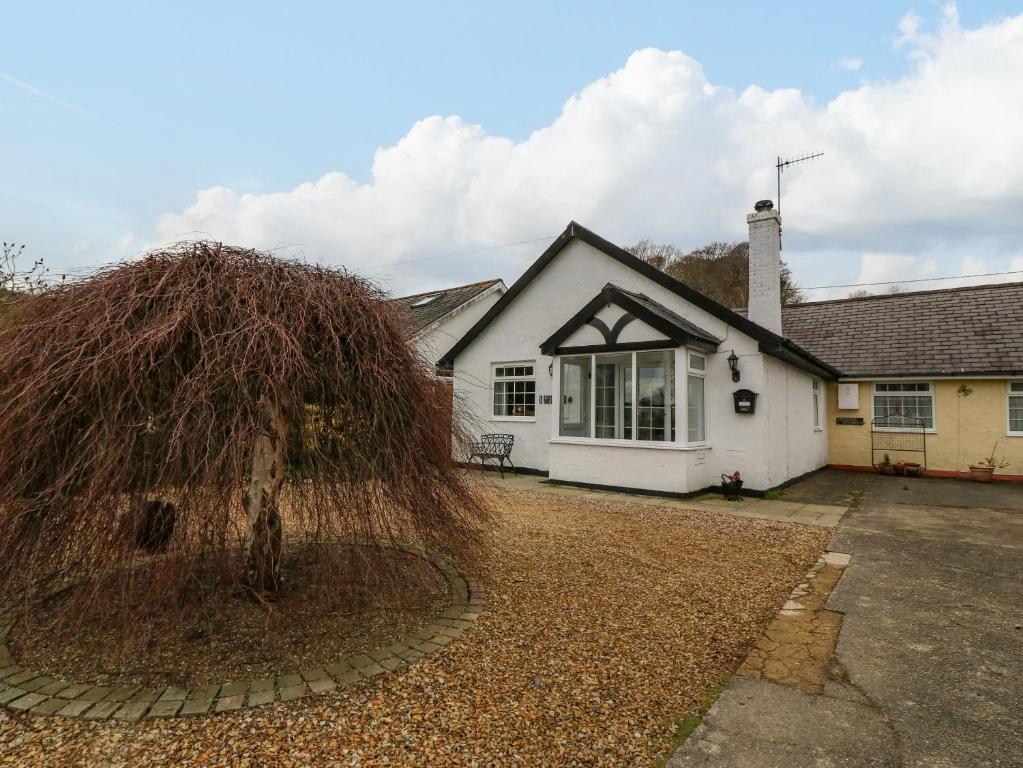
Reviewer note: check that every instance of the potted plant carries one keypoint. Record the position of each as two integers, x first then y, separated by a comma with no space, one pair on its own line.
984,469
914,469
899,468
885,467
731,486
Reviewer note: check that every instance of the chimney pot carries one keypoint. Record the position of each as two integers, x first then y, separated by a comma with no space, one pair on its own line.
763,205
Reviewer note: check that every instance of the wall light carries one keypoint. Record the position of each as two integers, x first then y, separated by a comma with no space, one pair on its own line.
733,364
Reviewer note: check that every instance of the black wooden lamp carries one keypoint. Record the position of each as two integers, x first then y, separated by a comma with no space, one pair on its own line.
733,364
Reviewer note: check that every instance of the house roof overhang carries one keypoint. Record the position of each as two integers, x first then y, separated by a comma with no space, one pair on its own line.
676,329
770,343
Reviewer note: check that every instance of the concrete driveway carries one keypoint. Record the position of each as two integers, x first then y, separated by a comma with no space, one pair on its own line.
928,670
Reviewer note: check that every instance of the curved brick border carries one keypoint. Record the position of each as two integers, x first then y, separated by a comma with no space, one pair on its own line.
27,691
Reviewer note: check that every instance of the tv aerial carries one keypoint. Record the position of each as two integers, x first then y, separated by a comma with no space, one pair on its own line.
780,167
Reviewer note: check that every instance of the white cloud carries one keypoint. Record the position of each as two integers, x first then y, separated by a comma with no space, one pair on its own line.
929,163
851,63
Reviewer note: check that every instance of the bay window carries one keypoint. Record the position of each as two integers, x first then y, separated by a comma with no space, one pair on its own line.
904,404
628,396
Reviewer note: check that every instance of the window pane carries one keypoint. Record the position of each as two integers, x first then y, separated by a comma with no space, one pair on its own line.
515,397
1016,386
905,410
654,386
695,429
613,392
903,386
575,397
697,362
1016,414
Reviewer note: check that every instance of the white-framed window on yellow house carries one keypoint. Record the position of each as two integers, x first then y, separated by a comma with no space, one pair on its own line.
904,404
1015,408
816,404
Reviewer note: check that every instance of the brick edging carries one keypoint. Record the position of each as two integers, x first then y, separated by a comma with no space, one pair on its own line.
25,690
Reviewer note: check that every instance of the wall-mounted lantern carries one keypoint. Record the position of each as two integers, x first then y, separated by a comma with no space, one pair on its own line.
733,364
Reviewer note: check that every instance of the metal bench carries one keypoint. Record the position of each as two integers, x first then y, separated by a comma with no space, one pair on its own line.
493,446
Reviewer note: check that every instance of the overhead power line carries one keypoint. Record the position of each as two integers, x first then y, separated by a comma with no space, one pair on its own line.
912,280
462,253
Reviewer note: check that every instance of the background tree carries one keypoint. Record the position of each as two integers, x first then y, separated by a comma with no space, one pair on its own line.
718,270
203,375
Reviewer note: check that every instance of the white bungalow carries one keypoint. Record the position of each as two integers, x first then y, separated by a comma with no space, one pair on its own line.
610,373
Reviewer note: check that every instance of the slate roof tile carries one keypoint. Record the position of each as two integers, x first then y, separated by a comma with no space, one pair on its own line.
446,301
952,331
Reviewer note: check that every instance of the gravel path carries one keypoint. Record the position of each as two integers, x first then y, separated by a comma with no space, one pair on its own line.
606,624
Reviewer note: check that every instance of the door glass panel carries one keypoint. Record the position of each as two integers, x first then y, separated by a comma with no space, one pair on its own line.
654,388
613,391
575,397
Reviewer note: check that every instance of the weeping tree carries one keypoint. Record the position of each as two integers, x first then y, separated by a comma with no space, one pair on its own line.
249,399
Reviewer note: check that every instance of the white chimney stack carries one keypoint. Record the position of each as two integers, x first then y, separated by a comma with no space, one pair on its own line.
765,266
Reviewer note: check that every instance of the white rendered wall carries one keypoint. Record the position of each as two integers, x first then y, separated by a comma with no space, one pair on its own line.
765,269
796,447
439,339
573,278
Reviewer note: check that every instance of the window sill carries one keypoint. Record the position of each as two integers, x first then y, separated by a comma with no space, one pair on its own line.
513,418
629,444
818,429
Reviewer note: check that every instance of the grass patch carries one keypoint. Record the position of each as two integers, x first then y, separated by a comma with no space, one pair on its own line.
686,724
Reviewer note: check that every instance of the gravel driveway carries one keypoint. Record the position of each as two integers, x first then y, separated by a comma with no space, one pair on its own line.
607,623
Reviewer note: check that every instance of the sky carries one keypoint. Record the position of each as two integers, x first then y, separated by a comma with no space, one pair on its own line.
428,145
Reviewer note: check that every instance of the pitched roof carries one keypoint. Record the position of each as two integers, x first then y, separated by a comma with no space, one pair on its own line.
976,330
441,303
770,343
656,315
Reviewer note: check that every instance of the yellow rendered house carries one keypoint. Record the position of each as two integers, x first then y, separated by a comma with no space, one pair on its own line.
932,377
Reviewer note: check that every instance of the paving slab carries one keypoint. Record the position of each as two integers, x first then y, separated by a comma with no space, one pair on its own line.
196,707
131,712
101,710
927,666
168,708
26,702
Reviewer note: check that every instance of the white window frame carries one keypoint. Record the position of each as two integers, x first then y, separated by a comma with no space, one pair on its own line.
1009,396
815,391
494,379
929,393
699,373
633,441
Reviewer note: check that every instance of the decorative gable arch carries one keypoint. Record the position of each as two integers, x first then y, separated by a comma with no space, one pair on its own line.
663,327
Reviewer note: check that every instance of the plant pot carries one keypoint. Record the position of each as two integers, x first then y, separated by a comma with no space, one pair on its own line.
982,473
731,489
899,469
913,469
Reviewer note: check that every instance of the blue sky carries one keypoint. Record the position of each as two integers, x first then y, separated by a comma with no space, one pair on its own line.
113,115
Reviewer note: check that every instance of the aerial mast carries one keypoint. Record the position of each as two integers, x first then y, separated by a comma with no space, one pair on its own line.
780,166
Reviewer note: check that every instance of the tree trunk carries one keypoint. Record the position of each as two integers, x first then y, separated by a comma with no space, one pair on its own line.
263,535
